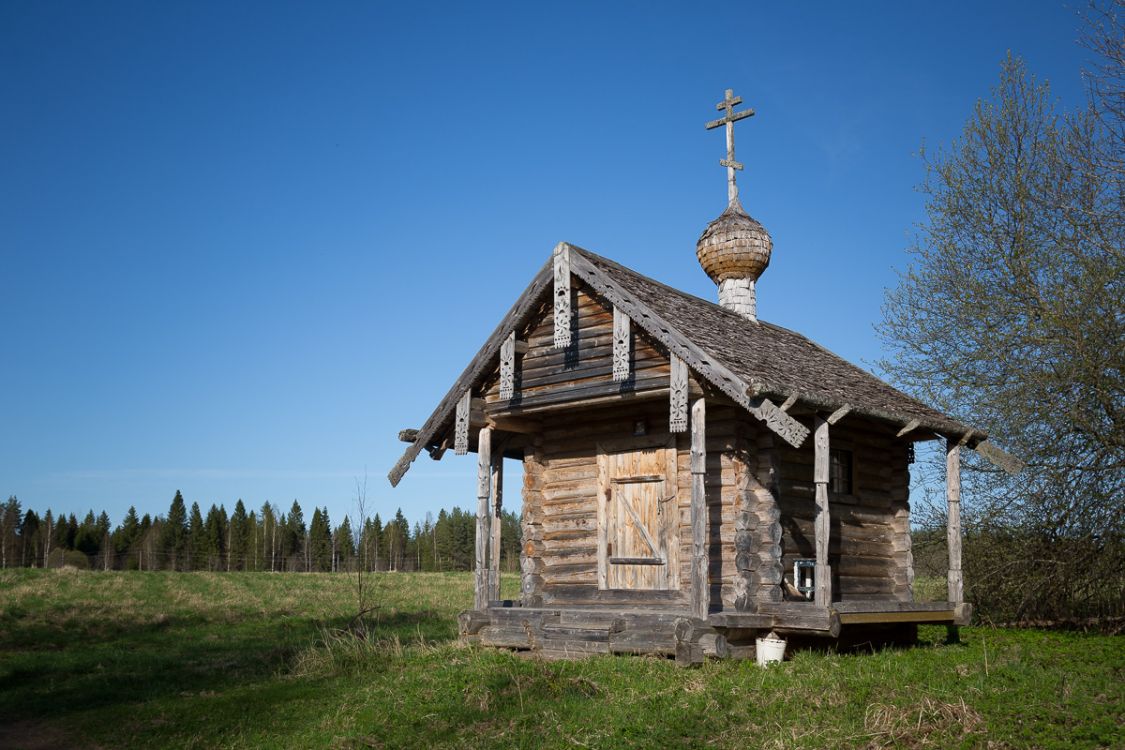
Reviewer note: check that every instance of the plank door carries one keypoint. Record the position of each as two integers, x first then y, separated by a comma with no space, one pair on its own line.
638,545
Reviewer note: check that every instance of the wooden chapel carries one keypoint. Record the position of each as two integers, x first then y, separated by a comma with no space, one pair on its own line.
693,476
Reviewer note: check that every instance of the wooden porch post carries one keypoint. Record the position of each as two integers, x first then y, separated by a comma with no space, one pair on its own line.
700,588
484,515
953,526
497,483
822,526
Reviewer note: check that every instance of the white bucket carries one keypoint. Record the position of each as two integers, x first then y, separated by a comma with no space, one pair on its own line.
769,651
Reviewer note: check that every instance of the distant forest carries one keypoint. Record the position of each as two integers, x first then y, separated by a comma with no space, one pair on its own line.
267,539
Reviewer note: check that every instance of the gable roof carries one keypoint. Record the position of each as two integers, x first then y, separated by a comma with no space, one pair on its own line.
775,361
749,361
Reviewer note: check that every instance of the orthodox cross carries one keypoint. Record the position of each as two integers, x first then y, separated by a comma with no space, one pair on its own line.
729,102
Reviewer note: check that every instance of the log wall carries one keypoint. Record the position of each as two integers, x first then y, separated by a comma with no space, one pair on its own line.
560,563
545,375
869,549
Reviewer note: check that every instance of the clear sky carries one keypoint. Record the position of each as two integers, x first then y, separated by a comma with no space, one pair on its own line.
242,244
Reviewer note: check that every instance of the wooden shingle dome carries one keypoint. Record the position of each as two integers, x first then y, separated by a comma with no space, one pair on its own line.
734,246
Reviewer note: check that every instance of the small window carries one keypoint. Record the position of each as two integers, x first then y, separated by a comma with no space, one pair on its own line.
840,472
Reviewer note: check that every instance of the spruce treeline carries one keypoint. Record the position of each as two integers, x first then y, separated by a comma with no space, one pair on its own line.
269,538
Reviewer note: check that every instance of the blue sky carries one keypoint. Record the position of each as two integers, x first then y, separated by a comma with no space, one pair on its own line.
243,244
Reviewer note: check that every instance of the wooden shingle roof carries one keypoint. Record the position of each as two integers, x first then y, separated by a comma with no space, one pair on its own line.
775,361
752,362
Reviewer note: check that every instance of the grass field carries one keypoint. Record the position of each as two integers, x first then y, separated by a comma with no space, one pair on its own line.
249,660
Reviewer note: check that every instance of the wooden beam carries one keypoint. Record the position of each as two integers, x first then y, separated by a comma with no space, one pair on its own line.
864,618
484,517
461,425
508,367
497,506
788,402
518,425
908,427
953,520
700,586
839,414
563,310
622,342
822,524
437,453
999,458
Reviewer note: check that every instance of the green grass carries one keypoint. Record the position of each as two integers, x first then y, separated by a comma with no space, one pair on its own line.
251,660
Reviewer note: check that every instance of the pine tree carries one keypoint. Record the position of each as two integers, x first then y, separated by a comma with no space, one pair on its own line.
253,544
197,539
215,538
443,542
9,526
296,538
376,536
345,545
30,539
105,546
146,543
127,536
86,539
269,536
237,537
173,540
320,541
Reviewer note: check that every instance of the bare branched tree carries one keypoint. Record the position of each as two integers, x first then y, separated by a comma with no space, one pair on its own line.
1011,316
363,589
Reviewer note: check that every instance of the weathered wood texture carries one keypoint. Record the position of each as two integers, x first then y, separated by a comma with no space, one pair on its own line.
953,520
822,524
585,368
700,586
638,543
461,426
561,331
484,517
561,510
622,345
678,396
869,535
496,508
757,538
531,528
508,367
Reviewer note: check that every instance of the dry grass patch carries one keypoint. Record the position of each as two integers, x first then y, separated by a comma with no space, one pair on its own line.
927,723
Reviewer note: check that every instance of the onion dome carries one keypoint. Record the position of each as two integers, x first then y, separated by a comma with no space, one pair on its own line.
734,246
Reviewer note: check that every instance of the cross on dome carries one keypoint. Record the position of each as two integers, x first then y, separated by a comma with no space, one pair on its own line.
729,102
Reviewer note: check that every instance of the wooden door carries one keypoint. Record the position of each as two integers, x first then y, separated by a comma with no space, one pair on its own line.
637,517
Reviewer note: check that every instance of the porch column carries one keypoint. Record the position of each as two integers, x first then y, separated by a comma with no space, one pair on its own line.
953,520
497,483
484,516
823,595
700,588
